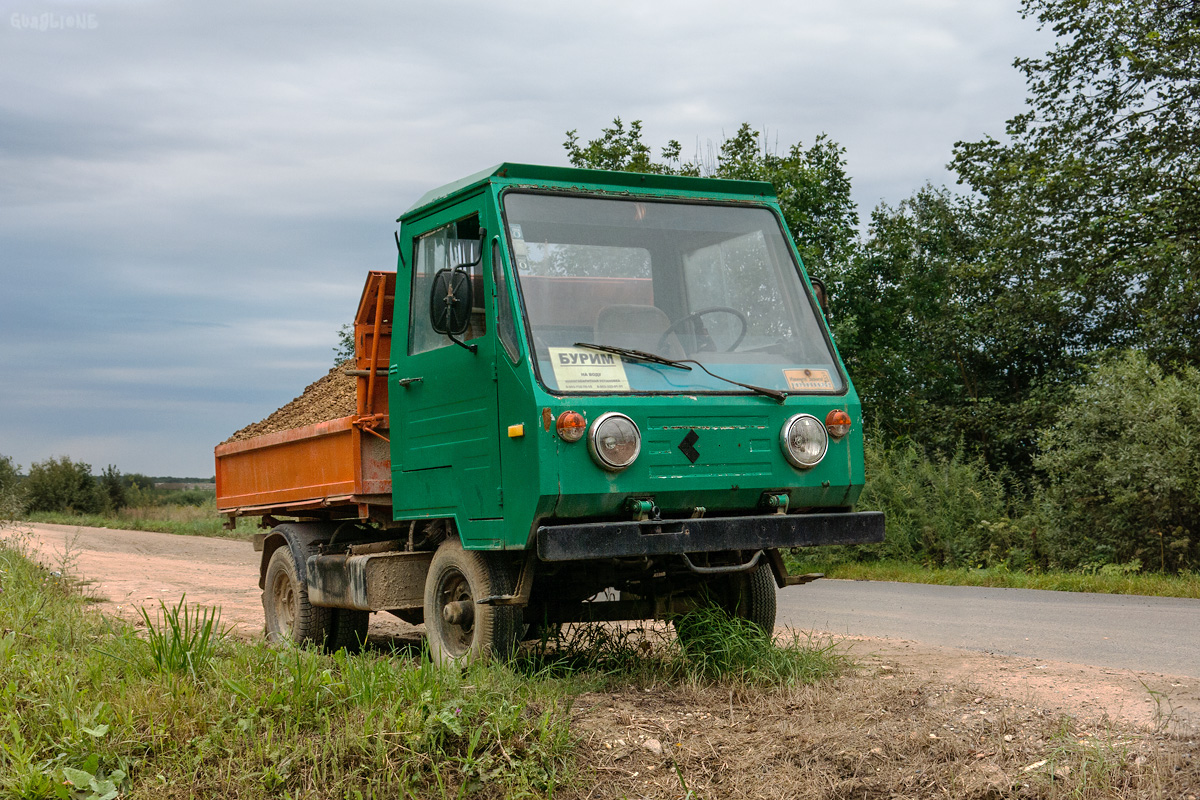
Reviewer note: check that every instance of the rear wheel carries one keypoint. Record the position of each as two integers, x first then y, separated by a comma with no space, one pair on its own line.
289,615
348,629
458,628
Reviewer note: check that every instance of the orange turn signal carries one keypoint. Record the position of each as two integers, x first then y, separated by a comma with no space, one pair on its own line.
837,422
571,426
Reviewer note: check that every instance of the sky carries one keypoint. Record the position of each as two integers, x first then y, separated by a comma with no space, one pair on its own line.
191,194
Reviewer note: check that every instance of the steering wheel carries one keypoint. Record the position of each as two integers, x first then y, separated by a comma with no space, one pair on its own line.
697,314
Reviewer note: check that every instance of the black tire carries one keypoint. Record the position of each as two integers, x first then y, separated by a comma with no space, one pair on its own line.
348,629
745,595
289,615
457,579
751,596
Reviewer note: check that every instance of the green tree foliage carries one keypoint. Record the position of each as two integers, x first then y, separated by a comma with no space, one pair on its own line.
967,319
9,474
112,488
60,484
344,350
943,346
623,150
11,496
812,184
940,510
1123,463
1096,193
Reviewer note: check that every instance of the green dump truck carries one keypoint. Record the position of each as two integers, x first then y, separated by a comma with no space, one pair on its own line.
576,381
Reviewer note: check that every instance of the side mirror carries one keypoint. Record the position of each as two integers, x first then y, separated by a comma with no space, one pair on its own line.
450,302
822,295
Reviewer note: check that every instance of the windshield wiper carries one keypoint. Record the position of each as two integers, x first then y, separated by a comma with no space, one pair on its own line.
639,355
682,363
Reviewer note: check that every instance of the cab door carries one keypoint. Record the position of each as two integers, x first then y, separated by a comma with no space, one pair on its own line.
443,400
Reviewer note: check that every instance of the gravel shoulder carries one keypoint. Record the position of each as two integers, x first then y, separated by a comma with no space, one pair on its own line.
129,570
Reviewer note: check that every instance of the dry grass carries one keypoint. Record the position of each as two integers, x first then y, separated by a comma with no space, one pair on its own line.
875,734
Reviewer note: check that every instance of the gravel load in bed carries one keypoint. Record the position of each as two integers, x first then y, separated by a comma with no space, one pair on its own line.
331,397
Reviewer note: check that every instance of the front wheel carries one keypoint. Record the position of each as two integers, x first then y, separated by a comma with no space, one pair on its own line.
743,595
751,596
458,628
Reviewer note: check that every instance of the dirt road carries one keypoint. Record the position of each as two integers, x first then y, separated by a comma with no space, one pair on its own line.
127,570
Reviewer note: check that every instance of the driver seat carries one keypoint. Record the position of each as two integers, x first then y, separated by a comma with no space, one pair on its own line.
639,327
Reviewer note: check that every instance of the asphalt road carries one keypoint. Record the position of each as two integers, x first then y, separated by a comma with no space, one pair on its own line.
1147,634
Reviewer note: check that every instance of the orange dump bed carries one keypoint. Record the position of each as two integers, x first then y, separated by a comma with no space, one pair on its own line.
339,468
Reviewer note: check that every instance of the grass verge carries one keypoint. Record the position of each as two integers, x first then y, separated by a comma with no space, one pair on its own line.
1111,582
91,707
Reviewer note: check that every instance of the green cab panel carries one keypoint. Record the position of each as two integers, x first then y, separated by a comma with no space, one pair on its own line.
698,273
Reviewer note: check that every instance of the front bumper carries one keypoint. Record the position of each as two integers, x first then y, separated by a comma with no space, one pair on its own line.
706,535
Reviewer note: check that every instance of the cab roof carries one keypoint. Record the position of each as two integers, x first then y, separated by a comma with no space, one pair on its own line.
591,180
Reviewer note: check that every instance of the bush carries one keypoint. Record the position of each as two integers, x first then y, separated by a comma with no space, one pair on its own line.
11,504
60,484
941,510
1123,468
112,487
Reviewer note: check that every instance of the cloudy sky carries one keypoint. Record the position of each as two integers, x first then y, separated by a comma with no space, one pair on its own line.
192,193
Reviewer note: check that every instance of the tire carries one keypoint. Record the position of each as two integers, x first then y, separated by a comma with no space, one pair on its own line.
289,615
457,579
347,630
744,595
291,618
751,596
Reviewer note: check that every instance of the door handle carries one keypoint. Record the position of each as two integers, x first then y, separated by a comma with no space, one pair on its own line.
407,381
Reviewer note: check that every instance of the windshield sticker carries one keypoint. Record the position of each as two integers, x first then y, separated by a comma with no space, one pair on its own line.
808,380
580,370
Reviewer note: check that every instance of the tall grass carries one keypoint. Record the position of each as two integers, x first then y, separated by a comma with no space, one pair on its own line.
183,637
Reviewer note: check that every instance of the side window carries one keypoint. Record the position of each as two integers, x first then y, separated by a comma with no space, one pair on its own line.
506,326
453,245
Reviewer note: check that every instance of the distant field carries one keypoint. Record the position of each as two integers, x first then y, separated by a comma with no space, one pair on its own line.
188,520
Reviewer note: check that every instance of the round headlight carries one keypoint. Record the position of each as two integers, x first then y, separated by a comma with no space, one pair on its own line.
804,441
614,441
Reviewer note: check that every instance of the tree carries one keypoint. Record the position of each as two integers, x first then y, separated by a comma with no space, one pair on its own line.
60,484
9,474
970,318
812,185
1097,190
344,350
112,488
947,344
10,493
1123,467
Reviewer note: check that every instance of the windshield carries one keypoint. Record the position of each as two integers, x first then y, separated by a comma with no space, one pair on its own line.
713,283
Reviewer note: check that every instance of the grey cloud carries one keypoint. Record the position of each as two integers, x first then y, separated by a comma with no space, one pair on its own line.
192,193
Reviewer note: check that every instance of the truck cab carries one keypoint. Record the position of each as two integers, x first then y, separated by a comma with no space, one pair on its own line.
596,380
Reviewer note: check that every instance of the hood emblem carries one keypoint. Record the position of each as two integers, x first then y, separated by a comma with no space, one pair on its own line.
687,446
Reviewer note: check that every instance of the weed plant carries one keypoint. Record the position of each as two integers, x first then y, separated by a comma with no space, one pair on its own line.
183,637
